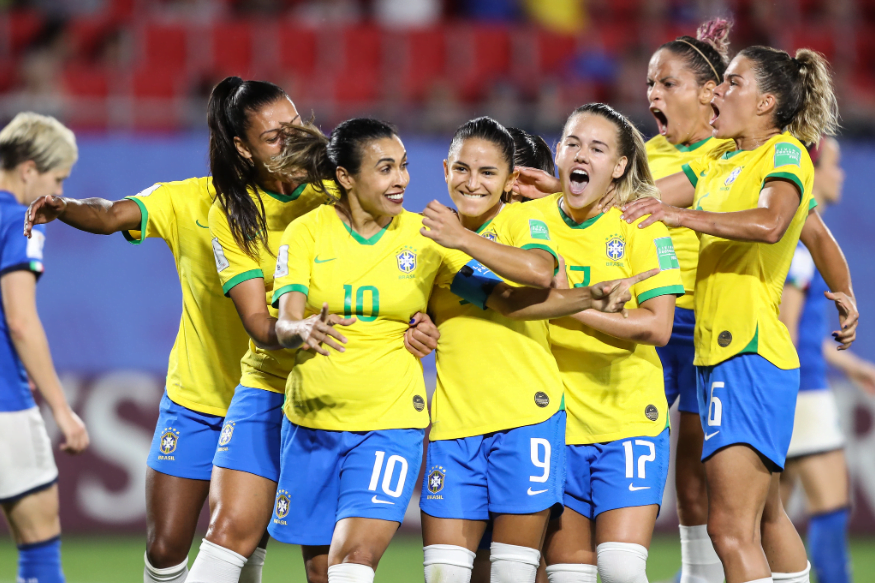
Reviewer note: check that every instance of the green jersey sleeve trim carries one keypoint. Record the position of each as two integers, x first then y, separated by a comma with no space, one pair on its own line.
548,250
240,278
785,176
144,220
292,287
691,175
812,204
666,290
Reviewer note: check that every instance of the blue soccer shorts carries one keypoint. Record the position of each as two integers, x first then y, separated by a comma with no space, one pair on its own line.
184,441
677,363
250,439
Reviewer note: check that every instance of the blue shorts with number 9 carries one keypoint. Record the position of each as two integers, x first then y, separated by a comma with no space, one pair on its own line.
515,471
748,400
617,474
327,476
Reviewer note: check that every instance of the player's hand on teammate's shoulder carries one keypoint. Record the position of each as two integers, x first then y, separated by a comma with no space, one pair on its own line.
319,329
422,336
535,183
76,438
658,211
849,317
611,296
43,210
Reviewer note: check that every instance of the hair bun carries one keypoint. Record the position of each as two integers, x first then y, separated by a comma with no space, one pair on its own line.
715,32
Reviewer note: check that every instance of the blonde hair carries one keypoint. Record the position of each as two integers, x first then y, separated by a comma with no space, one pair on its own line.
802,86
636,181
40,138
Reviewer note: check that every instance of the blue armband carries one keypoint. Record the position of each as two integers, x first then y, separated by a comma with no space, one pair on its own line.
474,283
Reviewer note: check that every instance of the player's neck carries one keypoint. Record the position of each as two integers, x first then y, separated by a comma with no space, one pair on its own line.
360,220
756,138
583,213
474,223
10,182
699,134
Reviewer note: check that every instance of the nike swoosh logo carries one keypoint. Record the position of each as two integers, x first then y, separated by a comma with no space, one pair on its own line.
196,222
707,437
324,260
530,492
376,500
634,489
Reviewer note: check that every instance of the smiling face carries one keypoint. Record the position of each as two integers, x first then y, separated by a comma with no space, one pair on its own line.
738,104
477,174
679,105
263,136
382,177
588,159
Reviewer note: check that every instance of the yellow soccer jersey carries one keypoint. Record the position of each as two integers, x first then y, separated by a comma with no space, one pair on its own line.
739,284
382,281
204,363
262,369
666,159
613,388
493,373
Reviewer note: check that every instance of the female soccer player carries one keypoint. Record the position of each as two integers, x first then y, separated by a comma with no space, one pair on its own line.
498,451
816,456
617,436
750,208
681,79
36,155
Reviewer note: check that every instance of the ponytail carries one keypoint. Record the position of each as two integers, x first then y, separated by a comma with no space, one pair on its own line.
818,113
802,85
234,177
637,180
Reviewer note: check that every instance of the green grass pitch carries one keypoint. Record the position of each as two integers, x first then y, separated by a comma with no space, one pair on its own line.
110,559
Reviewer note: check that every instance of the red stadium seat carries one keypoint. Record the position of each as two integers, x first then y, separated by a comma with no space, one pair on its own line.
8,74
819,38
554,51
83,80
424,57
362,49
155,82
297,49
87,34
232,48
480,55
165,45
23,26
356,87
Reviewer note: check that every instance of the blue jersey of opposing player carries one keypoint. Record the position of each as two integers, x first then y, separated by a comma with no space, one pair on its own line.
16,253
813,324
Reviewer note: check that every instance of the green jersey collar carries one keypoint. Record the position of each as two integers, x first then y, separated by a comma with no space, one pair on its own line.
570,222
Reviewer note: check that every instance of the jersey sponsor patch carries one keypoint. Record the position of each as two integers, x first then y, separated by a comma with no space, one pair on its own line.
148,191
538,230
222,262
418,402
35,245
541,399
282,262
787,155
665,254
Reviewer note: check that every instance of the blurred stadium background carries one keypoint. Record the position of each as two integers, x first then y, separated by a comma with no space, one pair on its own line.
132,78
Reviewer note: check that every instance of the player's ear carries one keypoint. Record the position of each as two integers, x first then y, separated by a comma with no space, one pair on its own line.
344,178
242,148
706,93
620,167
446,172
27,171
766,104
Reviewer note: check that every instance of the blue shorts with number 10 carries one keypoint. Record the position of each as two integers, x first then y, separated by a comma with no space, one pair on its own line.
515,471
618,474
327,476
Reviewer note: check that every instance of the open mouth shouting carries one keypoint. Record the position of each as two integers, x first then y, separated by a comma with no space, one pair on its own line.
578,181
661,120
716,113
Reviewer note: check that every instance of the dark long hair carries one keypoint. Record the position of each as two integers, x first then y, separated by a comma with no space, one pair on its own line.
231,104
532,151
306,151
708,53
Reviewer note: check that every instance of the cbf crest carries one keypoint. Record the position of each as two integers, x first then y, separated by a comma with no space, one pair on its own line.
283,502
227,432
406,259
169,439
615,247
731,178
436,479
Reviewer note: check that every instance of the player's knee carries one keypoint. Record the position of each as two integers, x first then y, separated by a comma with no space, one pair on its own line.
513,564
234,533
730,537
316,573
163,553
447,564
361,554
622,563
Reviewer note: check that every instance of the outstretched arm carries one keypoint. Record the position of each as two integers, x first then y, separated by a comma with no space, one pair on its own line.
833,266
767,223
248,297
92,215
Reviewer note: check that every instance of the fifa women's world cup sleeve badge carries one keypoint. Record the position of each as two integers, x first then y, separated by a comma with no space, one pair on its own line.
281,508
169,440
435,482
